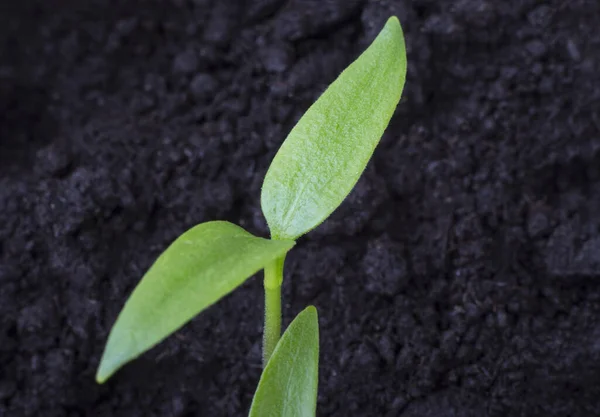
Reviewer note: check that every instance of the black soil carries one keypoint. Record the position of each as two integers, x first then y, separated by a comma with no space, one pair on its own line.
460,278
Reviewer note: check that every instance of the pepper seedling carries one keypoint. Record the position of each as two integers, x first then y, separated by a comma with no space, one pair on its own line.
315,169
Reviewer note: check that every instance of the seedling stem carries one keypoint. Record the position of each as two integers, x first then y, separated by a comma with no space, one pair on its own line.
272,331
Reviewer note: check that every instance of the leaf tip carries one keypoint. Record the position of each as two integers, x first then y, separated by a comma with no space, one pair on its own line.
393,21
312,310
394,28
110,362
103,373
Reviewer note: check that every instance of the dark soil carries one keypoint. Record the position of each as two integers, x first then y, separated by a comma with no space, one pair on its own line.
460,278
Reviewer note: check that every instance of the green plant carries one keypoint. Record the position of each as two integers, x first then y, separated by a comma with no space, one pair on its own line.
312,173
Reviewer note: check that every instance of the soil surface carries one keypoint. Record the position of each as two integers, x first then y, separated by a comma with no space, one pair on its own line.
460,278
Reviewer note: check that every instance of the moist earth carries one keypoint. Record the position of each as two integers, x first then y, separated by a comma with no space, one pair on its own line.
460,278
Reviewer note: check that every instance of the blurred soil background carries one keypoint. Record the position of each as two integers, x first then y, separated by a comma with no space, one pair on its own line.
460,278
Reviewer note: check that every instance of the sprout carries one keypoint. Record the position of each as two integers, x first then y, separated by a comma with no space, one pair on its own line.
313,172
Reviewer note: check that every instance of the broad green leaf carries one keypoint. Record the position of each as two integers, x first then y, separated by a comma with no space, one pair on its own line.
197,269
288,385
326,152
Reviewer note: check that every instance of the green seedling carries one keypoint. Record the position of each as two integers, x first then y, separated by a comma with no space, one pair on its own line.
312,173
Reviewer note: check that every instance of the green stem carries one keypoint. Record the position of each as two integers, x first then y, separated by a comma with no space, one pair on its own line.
272,331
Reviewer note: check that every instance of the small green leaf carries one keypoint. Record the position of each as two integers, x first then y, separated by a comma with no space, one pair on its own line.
200,267
326,152
288,385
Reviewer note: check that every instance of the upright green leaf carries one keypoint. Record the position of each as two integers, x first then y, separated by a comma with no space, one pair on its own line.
288,385
200,267
326,152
